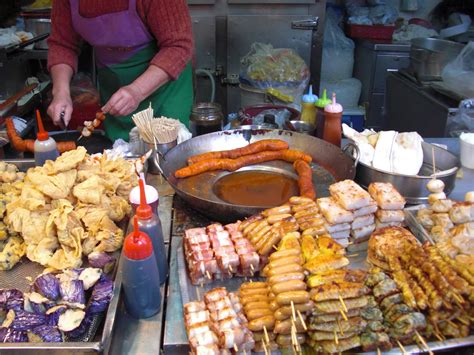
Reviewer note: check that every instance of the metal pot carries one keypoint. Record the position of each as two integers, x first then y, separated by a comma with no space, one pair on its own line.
429,56
413,188
38,26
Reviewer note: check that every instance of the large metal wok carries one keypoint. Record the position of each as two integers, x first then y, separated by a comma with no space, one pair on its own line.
330,164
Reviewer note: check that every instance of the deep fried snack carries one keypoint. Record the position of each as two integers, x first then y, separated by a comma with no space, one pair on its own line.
234,164
305,179
252,148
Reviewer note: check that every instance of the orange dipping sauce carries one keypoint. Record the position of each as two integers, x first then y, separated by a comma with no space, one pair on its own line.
256,188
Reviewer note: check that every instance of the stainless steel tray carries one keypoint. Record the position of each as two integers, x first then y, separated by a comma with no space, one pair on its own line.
190,292
90,342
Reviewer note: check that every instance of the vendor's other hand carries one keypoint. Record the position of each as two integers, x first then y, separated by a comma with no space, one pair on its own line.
61,103
124,101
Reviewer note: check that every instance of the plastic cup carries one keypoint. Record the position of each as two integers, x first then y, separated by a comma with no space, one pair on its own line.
467,153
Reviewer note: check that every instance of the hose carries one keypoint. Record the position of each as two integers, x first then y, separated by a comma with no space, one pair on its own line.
205,72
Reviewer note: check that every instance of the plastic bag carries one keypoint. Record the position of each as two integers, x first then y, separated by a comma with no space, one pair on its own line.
459,74
462,120
338,50
265,67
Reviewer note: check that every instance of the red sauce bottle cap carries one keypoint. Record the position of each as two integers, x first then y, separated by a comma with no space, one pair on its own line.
42,135
144,210
137,245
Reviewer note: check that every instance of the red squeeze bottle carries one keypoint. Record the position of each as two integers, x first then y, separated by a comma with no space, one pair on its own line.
333,122
45,147
141,279
150,224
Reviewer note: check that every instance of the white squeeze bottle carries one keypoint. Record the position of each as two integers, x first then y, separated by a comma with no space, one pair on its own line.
45,146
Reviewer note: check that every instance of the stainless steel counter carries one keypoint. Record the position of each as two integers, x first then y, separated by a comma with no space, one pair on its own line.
165,331
386,46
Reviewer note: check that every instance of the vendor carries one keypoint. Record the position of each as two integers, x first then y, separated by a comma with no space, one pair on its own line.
143,50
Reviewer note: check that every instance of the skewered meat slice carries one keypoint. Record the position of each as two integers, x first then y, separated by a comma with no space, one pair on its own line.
207,338
372,314
319,335
196,317
371,341
330,317
330,347
391,300
216,227
396,311
250,260
218,305
355,324
385,288
337,289
215,295
401,279
201,255
232,227
223,313
227,323
212,349
434,298
375,326
229,262
326,262
231,337
374,278
197,329
407,324
194,232
195,306
334,306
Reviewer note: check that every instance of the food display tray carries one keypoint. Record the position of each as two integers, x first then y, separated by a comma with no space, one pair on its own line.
190,292
20,278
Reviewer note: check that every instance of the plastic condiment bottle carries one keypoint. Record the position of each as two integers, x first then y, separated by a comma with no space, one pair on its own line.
141,280
333,122
152,197
45,146
320,104
150,223
308,108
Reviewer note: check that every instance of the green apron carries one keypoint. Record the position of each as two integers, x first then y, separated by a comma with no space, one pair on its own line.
174,99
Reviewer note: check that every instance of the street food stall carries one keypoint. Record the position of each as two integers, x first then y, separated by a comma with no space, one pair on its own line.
269,220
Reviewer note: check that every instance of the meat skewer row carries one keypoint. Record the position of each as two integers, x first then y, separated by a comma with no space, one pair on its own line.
234,164
90,126
401,280
435,276
461,285
252,148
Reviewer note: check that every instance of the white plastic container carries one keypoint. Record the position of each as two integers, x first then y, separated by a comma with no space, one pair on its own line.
466,141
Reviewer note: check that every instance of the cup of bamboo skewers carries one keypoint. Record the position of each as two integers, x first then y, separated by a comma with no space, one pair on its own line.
158,134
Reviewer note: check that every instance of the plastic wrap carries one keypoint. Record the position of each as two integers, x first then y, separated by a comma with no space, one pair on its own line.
338,50
462,121
459,74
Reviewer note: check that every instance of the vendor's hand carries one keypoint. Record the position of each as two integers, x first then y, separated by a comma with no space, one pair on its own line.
124,101
61,103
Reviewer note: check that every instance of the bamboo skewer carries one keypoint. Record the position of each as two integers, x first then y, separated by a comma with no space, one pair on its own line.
336,339
422,340
267,338
293,313
343,304
236,348
378,351
343,314
300,316
402,348
340,327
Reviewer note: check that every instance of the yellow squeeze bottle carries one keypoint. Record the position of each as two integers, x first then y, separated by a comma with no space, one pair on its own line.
308,108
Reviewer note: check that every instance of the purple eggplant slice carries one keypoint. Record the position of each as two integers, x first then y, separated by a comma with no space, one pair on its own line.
101,295
72,293
8,335
83,327
101,260
48,286
24,320
11,299
45,334
53,314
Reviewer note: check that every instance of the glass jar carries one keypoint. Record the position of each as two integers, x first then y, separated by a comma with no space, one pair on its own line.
206,117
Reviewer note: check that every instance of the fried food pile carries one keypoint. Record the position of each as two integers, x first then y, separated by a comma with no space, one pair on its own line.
451,226
69,208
